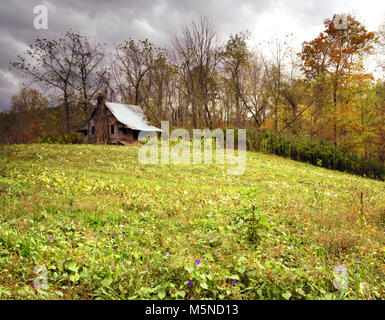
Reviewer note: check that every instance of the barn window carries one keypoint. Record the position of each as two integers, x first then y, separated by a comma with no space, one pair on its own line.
112,129
92,130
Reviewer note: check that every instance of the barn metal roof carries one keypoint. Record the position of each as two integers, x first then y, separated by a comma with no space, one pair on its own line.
130,115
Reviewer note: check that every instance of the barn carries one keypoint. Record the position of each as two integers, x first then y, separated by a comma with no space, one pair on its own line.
115,123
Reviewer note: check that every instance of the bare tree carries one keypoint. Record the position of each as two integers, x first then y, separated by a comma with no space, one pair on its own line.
90,74
196,56
274,68
50,63
134,61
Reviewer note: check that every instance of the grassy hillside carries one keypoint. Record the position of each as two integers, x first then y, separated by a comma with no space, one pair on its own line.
105,226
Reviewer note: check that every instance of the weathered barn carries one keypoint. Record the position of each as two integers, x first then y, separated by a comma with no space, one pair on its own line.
115,123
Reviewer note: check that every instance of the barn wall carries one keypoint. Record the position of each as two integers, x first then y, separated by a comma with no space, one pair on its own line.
120,131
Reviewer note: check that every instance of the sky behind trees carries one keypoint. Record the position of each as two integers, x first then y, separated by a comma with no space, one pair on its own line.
116,20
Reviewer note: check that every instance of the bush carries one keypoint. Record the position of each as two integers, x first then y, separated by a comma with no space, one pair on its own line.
73,138
313,152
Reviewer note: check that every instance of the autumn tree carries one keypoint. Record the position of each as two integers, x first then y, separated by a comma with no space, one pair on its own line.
331,59
28,99
29,116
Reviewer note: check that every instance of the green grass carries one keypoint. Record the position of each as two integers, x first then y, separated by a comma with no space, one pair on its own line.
106,227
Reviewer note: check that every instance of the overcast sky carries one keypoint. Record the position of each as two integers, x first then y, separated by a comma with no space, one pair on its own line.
112,21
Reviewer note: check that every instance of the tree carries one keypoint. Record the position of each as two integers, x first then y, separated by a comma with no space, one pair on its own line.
89,73
330,59
134,60
69,65
234,58
50,64
28,99
274,63
196,56
28,109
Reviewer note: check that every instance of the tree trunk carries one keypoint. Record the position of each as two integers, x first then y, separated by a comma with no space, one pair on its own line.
67,111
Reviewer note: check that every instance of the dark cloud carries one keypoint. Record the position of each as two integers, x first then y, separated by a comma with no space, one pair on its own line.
113,21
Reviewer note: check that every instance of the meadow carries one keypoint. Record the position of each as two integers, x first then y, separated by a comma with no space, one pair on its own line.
103,226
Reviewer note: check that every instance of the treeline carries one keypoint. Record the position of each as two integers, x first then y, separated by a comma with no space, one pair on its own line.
322,92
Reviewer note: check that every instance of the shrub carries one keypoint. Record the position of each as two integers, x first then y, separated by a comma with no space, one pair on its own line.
313,152
73,138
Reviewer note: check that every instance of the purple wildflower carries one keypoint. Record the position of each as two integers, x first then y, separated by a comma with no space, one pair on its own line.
189,282
122,262
292,245
51,237
301,233
197,262
167,254
315,260
234,282
5,187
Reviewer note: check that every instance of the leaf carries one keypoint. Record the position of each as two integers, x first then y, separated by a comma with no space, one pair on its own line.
162,294
286,295
204,285
181,293
251,274
189,269
73,267
74,277
241,269
107,281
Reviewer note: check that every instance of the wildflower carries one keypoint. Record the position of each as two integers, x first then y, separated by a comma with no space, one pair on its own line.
51,237
122,262
5,187
315,260
94,237
189,282
301,233
167,254
234,282
197,262
292,245
113,235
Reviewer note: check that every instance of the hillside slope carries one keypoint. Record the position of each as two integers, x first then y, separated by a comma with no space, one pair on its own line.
104,226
